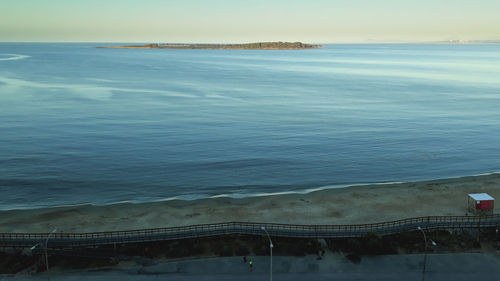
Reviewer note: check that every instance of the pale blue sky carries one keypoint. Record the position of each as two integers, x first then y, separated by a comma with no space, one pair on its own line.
248,20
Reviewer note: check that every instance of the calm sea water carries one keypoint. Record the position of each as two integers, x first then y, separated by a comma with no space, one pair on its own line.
85,125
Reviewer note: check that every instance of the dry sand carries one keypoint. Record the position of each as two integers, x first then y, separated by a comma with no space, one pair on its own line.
350,205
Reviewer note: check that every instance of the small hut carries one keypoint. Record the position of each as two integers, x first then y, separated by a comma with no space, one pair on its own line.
481,203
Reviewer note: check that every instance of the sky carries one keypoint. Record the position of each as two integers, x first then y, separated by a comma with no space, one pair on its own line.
237,21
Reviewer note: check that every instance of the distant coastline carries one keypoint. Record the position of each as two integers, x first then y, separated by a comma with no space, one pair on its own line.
470,42
249,46
449,42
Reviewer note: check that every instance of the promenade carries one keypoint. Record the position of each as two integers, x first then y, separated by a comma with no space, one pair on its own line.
65,240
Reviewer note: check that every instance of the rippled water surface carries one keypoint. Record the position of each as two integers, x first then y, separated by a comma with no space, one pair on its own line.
80,124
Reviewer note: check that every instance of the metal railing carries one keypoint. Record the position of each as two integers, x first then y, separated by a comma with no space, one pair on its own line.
61,240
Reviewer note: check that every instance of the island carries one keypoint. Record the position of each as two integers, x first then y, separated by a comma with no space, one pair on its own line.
247,46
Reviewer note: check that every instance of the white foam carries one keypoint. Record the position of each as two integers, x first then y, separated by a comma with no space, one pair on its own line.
12,57
193,197
304,191
88,91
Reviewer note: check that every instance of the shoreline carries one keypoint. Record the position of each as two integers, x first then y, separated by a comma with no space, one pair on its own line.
190,197
356,204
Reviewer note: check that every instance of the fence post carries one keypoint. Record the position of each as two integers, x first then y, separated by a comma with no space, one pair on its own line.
478,230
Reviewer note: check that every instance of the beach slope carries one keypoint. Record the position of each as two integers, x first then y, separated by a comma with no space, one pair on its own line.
351,205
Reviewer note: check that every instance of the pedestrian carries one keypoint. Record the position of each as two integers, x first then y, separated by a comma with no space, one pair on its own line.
251,265
244,259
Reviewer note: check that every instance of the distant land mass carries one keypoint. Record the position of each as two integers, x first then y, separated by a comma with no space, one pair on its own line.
248,46
469,42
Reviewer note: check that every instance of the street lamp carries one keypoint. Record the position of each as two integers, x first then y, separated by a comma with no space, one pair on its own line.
46,243
425,251
45,250
271,250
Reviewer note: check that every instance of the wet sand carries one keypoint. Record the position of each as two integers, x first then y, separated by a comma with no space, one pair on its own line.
350,205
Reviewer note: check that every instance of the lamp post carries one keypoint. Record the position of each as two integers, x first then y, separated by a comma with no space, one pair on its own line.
425,251
271,250
46,256
45,251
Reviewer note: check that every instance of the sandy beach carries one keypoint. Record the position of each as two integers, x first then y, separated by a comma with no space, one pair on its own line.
350,205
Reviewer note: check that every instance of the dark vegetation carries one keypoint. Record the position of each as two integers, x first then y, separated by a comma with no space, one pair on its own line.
259,45
16,260
413,242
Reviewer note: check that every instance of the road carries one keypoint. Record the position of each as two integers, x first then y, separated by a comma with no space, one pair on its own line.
440,267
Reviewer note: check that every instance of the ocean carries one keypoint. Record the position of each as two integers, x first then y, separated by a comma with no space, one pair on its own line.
79,124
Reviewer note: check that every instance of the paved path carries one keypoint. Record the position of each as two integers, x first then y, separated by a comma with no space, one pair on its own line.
442,267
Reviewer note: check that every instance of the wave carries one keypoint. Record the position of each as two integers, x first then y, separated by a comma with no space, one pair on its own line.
12,57
200,196
310,190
